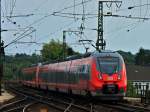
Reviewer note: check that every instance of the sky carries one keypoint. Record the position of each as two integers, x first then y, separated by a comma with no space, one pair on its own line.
33,21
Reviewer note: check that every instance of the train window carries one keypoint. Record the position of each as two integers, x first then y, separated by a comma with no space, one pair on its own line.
108,65
88,71
29,76
83,71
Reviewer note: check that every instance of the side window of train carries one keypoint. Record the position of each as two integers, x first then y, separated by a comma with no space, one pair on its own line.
83,71
88,71
79,71
120,64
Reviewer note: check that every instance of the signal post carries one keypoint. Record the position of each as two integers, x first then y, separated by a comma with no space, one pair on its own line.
1,54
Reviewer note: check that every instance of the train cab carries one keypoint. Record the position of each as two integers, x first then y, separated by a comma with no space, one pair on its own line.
110,78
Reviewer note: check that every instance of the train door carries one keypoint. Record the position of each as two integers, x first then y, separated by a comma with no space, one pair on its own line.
56,76
85,73
69,74
37,74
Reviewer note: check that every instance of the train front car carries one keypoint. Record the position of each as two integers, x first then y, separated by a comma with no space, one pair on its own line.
109,76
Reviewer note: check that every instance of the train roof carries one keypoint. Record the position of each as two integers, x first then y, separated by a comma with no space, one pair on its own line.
80,56
106,53
94,54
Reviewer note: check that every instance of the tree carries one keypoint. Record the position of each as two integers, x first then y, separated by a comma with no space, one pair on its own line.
127,56
54,50
131,90
143,57
14,64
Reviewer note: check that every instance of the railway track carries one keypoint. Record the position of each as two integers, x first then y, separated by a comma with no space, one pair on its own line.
64,103
18,103
58,104
15,107
25,109
123,107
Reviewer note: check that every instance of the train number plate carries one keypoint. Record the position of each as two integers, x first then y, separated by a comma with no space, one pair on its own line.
110,78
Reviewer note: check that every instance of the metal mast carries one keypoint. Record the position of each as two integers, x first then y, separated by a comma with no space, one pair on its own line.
100,44
2,53
1,63
100,40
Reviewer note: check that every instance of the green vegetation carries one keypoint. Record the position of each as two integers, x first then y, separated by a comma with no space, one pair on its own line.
13,64
54,50
142,57
131,90
128,57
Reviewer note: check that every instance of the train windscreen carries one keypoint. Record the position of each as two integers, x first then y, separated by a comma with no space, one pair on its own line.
108,65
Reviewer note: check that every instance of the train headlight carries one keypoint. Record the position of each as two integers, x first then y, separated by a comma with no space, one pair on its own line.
99,76
119,76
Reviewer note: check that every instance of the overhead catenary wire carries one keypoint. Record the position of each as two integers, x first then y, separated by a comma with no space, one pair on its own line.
58,30
74,15
21,36
80,38
140,2
42,18
71,15
40,5
133,6
147,8
74,9
13,6
60,11
6,7
53,13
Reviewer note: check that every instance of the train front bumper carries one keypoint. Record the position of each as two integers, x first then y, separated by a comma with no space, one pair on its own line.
109,95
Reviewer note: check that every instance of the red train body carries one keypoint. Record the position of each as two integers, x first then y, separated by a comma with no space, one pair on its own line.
101,74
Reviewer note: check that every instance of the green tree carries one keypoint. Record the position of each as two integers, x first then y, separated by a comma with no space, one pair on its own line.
54,50
143,57
128,57
14,64
131,90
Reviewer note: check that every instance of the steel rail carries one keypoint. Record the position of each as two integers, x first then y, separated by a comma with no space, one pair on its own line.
27,106
135,107
15,109
126,108
52,101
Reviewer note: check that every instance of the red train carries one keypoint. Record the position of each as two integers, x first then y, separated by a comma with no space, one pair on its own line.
101,74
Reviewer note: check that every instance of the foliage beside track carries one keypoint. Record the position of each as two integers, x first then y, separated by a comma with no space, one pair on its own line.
129,58
13,64
131,91
143,57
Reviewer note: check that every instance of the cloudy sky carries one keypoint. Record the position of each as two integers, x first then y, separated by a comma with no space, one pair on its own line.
39,21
